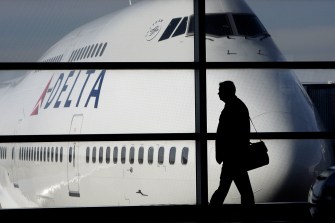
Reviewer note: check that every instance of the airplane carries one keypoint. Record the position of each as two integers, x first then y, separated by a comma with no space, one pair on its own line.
132,173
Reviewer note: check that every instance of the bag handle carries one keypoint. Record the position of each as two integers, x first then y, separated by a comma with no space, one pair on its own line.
254,127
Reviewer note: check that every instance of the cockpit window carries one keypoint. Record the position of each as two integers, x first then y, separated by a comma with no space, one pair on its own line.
170,28
217,25
181,28
220,25
248,25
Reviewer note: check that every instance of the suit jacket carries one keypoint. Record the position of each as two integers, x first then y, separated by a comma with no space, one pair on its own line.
233,133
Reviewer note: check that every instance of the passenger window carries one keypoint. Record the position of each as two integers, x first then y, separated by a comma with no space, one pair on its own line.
95,48
61,154
140,155
115,154
94,154
184,156
172,156
131,155
151,155
41,154
52,154
70,155
103,49
35,154
123,155
38,154
101,151
161,155
88,154
108,155
89,52
48,154
97,53
56,155
44,154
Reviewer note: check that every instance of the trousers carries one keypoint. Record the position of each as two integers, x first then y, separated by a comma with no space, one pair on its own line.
242,182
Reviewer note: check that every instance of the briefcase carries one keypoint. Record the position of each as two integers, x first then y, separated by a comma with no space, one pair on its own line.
257,156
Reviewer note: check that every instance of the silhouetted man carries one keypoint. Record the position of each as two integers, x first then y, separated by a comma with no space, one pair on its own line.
231,144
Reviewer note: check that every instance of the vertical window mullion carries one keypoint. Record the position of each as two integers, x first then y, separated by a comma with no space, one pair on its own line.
200,102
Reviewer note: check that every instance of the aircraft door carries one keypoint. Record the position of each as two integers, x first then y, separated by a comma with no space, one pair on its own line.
73,174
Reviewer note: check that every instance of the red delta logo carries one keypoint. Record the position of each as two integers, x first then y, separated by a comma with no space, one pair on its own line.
73,89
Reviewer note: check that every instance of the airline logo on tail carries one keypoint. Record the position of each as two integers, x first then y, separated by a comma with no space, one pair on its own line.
73,89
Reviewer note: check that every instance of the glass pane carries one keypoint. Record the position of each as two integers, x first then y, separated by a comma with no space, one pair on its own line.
110,101
292,169
99,31
276,100
253,31
115,184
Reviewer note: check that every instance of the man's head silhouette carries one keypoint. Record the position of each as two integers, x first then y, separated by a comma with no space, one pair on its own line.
226,90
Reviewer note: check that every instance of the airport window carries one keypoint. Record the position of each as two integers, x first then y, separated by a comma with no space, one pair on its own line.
172,155
61,154
101,152
131,155
140,155
108,155
161,155
170,28
56,155
151,155
94,154
70,155
87,154
115,153
181,28
123,155
184,156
